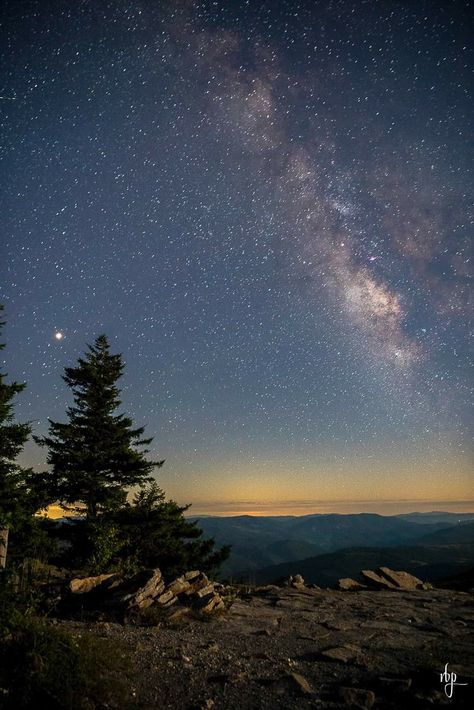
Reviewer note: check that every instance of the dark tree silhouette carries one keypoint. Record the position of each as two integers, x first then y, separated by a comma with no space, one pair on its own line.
96,456
13,437
155,533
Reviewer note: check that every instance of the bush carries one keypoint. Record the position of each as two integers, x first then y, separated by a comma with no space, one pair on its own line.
16,602
43,666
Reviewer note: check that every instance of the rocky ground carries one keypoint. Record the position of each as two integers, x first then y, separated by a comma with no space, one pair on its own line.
283,647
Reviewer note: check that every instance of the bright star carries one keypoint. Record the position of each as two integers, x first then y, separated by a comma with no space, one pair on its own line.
58,335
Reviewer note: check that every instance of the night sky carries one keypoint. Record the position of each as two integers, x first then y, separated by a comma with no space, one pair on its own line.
267,207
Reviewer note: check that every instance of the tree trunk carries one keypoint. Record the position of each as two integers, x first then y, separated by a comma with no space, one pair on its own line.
3,547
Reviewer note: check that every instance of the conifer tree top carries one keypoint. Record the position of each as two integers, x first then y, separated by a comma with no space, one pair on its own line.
97,455
13,437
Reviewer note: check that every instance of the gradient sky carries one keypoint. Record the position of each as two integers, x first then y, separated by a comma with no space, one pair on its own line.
267,207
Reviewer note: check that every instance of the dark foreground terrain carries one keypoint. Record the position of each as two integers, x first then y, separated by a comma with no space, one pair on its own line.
281,647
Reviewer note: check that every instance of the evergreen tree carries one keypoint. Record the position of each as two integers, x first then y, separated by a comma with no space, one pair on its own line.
13,493
155,533
93,457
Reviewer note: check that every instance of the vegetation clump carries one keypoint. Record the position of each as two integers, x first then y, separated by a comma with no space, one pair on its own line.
44,666
95,458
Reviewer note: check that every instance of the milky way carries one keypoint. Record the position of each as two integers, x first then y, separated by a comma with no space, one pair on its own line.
267,208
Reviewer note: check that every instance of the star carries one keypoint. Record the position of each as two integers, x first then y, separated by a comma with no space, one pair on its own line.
263,241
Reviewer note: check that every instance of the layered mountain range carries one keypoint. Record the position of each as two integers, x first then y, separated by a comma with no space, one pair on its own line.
325,547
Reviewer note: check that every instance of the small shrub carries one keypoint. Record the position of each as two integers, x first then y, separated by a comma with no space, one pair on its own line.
43,666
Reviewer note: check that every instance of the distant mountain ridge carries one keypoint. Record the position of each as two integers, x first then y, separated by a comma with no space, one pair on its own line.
261,541
429,563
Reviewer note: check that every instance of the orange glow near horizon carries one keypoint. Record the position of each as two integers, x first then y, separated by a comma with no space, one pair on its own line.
270,486
358,484
296,508
300,508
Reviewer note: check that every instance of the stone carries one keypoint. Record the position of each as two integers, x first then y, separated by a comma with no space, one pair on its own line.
142,589
302,684
147,594
196,583
165,598
179,585
191,575
87,584
341,653
208,589
297,581
357,697
376,580
211,602
347,584
402,580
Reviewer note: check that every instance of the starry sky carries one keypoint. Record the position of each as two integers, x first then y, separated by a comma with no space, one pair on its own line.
266,206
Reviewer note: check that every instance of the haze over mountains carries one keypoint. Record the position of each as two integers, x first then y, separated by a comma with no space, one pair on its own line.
327,547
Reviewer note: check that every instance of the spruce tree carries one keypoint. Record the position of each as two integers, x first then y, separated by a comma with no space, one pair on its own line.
13,437
155,533
95,457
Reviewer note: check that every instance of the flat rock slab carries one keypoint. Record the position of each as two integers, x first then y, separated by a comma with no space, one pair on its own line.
403,580
347,584
344,654
87,584
302,684
377,580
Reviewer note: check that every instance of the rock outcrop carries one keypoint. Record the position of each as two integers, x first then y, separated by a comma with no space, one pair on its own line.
346,584
375,580
382,578
87,584
192,590
280,647
402,580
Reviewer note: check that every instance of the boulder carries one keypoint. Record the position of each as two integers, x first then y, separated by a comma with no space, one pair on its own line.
208,589
401,580
297,581
344,654
87,584
302,684
347,584
357,697
376,580
179,585
141,590
210,602
165,599
196,583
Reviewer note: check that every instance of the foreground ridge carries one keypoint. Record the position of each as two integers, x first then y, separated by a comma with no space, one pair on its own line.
291,646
